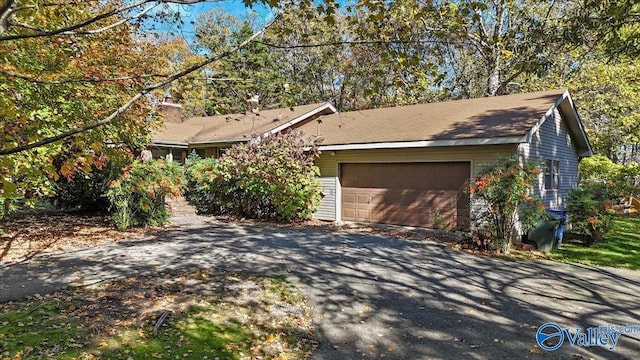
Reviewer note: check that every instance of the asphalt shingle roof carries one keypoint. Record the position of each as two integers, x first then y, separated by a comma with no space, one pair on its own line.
489,117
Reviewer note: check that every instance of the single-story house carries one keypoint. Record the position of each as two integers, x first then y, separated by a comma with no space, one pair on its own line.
407,164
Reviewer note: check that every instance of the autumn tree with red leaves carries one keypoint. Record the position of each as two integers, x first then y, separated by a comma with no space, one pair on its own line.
76,84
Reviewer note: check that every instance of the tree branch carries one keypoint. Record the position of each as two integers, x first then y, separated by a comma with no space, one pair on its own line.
354,42
75,26
36,80
5,14
497,28
110,26
70,30
137,96
481,26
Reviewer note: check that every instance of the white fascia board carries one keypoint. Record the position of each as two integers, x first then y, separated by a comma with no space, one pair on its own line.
302,117
575,117
583,133
215,142
546,115
426,143
175,144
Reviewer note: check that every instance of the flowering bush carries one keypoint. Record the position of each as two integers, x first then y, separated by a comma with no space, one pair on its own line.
502,197
137,196
590,209
270,177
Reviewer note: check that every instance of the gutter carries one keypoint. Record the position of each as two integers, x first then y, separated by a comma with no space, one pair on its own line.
174,144
426,143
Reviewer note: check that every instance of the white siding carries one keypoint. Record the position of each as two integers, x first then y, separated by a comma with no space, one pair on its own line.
552,141
327,208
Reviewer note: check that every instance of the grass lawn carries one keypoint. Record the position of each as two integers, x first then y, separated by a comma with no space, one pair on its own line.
197,315
619,248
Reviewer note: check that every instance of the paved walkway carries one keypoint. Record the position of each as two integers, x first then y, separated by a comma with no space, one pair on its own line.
373,295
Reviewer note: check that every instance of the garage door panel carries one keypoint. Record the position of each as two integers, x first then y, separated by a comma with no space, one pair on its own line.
377,199
363,198
364,214
348,197
349,183
424,198
378,216
405,193
379,182
349,214
407,217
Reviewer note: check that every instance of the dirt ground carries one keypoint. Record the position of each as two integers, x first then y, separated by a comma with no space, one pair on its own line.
22,237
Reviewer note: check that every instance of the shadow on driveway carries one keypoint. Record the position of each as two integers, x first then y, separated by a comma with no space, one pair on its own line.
375,295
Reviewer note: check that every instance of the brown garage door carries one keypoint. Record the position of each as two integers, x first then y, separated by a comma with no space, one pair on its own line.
415,194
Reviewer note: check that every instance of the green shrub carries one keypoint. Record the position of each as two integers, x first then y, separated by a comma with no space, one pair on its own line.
201,178
502,198
270,177
87,191
622,179
137,196
8,206
590,209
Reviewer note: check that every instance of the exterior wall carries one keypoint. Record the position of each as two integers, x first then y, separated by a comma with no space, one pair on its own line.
329,164
327,208
552,141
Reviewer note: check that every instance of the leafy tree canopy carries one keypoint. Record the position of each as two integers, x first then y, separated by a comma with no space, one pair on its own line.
79,79
77,83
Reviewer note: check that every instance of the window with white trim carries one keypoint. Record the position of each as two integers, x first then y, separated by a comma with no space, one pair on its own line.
551,174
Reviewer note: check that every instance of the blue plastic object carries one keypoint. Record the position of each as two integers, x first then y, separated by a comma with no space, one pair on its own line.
561,215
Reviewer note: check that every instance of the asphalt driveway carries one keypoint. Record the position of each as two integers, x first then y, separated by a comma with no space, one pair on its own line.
376,296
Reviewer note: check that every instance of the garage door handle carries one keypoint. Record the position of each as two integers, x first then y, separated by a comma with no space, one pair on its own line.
369,201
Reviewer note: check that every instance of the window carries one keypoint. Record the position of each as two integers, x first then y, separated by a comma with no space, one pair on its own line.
551,174
200,152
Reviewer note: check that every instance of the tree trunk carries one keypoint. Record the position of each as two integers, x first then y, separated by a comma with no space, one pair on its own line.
493,73
6,10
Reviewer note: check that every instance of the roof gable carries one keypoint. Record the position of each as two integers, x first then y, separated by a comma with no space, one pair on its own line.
237,127
570,116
